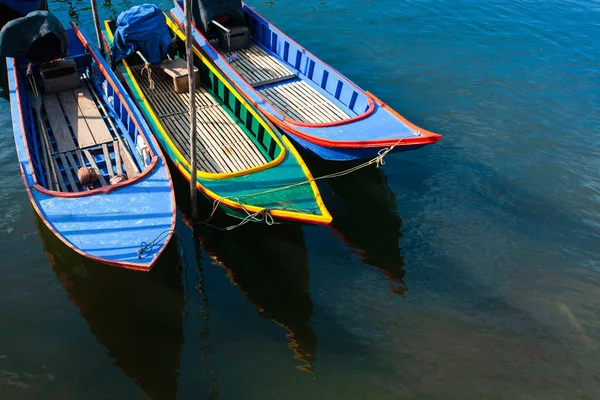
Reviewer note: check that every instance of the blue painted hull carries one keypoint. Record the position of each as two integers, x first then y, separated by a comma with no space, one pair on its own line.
370,127
110,224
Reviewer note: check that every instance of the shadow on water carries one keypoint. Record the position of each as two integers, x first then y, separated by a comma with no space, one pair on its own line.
365,217
268,264
136,316
270,267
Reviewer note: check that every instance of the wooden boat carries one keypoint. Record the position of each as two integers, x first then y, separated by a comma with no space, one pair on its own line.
244,165
320,109
94,124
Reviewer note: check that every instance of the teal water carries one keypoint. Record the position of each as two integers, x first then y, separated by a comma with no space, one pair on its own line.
466,270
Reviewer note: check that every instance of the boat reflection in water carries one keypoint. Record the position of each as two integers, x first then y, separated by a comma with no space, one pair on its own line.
365,216
137,316
270,266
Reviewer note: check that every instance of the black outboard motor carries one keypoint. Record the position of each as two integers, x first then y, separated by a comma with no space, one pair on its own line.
39,36
222,21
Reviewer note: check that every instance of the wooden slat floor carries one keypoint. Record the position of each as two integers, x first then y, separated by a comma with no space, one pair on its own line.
299,101
222,145
295,99
258,68
79,129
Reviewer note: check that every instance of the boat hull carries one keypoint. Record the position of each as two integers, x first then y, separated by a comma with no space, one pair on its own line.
125,225
370,125
346,154
280,190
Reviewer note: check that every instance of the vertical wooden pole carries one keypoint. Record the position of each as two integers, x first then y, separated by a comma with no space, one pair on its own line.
192,86
97,25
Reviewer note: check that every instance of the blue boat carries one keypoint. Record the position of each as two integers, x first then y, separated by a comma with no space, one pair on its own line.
319,109
93,171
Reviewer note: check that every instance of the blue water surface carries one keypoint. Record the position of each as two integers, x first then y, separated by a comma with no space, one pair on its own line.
469,269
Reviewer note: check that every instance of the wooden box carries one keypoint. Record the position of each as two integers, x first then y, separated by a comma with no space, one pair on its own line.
60,75
177,70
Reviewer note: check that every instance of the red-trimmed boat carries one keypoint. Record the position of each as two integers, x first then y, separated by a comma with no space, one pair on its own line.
319,108
92,169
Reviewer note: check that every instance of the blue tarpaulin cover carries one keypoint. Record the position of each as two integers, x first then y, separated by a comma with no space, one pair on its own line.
141,28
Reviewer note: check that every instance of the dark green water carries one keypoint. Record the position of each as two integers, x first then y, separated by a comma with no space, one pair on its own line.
466,270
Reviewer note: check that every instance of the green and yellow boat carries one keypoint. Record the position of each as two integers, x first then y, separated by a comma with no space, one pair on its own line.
245,166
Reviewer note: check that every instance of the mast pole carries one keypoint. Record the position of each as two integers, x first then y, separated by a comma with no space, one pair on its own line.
97,25
192,89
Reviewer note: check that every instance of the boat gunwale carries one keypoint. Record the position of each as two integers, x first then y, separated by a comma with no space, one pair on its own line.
144,267
284,123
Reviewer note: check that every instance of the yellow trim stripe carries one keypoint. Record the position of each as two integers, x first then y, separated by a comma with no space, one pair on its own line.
185,167
286,214
180,157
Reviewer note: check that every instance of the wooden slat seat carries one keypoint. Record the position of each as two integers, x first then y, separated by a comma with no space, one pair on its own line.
257,67
222,144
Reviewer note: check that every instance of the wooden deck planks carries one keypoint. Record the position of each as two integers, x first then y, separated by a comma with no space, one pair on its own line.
61,181
67,168
223,145
80,128
300,101
107,160
257,67
89,111
58,124
90,158
117,157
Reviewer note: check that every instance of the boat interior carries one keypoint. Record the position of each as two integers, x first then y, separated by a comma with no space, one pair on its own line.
289,94
297,84
230,137
73,118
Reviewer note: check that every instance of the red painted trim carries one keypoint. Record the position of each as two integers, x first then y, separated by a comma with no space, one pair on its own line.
121,264
100,190
426,137
109,79
424,132
368,112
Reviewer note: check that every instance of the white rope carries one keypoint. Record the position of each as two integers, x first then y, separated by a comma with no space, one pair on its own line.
148,68
266,216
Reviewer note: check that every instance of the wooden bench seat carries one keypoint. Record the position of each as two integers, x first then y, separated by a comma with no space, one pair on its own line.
258,68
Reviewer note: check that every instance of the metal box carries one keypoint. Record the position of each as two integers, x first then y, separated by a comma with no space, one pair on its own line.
236,38
60,75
